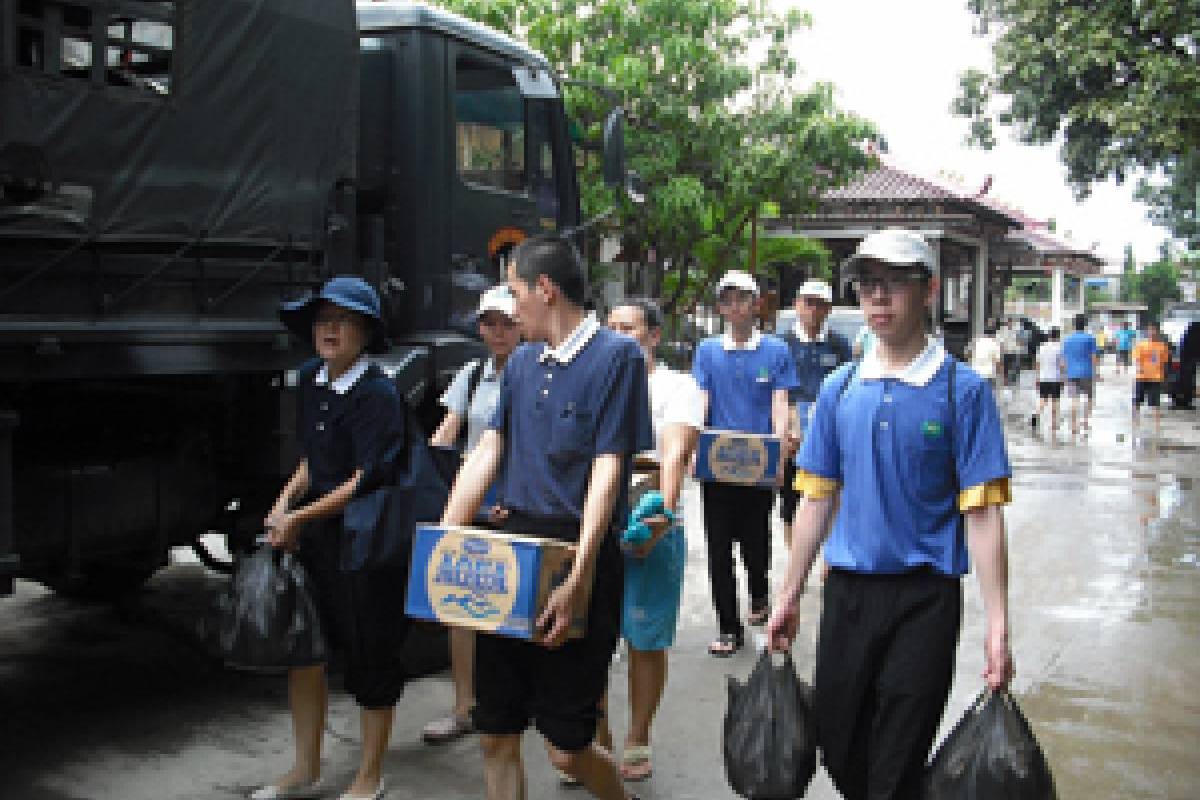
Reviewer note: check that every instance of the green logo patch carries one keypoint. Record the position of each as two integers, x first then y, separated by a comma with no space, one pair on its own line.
931,428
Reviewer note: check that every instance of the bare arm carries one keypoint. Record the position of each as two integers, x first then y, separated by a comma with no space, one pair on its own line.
809,531
296,487
473,479
987,543
678,444
781,426
447,433
603,487
283,527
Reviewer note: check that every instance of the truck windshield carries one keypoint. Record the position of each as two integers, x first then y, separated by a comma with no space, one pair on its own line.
503,140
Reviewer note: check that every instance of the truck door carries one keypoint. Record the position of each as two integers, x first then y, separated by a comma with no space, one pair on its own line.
508,182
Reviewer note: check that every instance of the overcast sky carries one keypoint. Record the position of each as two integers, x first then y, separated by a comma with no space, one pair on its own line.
897,63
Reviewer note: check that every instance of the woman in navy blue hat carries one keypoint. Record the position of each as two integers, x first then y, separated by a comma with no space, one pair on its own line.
350,428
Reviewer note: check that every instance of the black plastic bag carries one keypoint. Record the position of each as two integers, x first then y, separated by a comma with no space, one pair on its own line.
268,616
770,738
990,755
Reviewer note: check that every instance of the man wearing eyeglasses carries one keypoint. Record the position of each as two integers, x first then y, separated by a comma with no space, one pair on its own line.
907,447
745,377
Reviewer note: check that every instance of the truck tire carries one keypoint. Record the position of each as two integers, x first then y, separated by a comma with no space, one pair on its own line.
102,583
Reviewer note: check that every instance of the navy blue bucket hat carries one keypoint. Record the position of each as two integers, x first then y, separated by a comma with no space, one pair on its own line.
347,291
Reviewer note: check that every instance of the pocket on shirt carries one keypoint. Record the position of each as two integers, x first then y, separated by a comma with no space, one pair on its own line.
572,433
935,469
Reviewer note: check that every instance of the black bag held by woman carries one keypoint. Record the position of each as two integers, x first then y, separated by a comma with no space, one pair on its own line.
268,617
770,737
990,755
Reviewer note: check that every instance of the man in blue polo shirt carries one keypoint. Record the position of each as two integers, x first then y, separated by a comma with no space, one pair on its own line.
907,445
745,377
1081,354
573,411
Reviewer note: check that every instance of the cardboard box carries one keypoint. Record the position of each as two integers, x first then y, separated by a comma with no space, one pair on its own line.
748,459
488,581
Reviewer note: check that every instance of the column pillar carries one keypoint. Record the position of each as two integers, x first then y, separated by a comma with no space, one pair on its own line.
981,285
1056,298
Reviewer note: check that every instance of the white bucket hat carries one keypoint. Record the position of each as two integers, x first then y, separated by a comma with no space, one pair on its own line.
894,246
498,298
818,289
737,279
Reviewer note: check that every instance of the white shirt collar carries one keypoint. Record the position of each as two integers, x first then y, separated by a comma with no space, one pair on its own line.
575,341
345,382
750,344
802,334
918,372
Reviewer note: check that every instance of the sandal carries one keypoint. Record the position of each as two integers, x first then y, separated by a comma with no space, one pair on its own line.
759,616
635,762
447,729
725,645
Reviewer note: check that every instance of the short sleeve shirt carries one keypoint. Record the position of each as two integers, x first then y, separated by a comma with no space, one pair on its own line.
901,460
1125,338
740,380
477,410
1078,350
1151,357
985,352
1049,359
814,359
675,399
354,422
557,417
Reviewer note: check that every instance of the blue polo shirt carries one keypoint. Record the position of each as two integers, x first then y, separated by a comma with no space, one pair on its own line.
1125,338
901,461
1078,349
741,379
559,409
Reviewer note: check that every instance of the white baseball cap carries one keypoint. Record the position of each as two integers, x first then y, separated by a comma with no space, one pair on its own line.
818,289
498,298
737,279
894,246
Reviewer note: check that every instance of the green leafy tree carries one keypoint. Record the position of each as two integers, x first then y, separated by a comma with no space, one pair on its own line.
1115,81
717,127
1156,284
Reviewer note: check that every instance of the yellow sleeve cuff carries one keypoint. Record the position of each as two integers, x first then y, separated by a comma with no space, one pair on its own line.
815,487
993,493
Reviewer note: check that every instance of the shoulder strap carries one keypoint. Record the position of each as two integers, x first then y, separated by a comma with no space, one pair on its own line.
951,407
849,377
474,378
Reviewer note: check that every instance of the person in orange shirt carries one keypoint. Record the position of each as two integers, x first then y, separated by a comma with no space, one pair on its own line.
1150,357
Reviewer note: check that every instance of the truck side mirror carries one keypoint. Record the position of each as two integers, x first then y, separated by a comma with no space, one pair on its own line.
614,148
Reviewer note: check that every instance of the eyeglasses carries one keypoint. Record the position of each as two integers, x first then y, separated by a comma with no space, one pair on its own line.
888,282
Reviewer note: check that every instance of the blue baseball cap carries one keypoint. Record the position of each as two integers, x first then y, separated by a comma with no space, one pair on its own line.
347,291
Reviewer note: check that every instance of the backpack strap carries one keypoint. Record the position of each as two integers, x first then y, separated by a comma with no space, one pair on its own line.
473,379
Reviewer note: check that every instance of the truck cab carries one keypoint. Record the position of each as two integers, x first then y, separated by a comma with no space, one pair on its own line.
171,171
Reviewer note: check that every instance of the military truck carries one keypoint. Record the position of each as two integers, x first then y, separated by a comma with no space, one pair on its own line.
170,171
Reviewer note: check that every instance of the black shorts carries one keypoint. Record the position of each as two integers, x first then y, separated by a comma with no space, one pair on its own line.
363,616
1147,392
1050,390
559,690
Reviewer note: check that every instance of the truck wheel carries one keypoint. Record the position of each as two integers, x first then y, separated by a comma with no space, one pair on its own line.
102,582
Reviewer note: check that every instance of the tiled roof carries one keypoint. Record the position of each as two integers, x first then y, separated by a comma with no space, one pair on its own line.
890,183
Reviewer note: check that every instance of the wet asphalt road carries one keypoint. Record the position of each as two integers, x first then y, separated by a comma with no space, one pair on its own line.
123,702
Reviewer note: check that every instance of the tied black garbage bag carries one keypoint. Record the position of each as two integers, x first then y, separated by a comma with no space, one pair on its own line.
990,755
268,616
770,738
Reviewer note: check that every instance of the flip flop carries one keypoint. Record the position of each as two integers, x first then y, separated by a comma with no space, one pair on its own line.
725,645
447,729
636,762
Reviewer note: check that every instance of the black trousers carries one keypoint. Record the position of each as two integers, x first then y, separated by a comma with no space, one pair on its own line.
739,514
885,660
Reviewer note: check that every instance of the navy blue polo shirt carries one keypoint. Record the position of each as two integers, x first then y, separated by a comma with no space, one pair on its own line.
814,360
559,409
740,380
355,422
902,461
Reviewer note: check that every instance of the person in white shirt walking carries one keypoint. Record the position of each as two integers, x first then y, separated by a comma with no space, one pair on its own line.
1049,364
986,356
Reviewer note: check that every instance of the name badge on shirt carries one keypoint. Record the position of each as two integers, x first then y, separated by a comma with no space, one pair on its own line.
763,376
829,359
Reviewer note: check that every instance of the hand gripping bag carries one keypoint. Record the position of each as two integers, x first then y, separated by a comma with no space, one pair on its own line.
770,733
990,755
268,616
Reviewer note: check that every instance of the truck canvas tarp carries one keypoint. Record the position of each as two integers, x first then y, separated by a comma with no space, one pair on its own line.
221,121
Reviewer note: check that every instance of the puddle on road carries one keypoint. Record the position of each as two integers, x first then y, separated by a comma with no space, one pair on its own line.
1119,714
